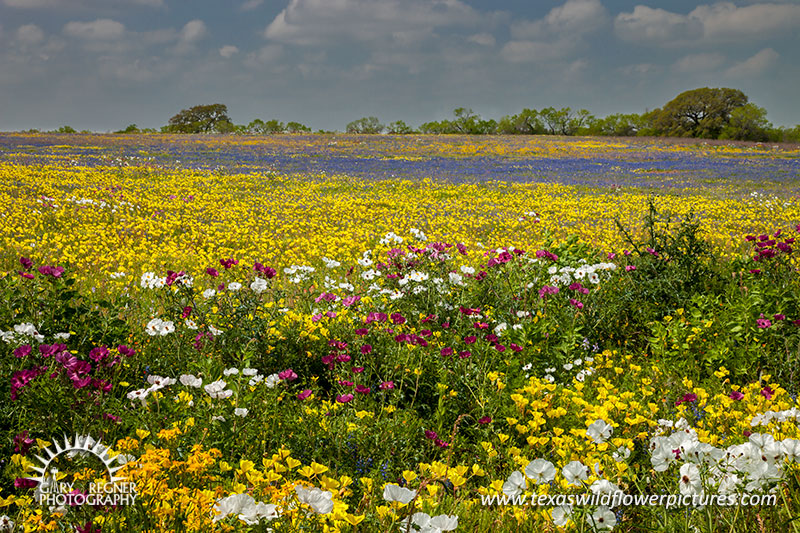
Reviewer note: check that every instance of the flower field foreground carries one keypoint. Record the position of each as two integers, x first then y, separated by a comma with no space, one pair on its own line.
257,352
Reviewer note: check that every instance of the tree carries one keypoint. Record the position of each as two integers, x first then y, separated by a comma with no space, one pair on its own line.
367,125
747,123
437,128
698,113
296,127
398,127
557,121
259,127
132,128
527,122
618,125
201,119
66,129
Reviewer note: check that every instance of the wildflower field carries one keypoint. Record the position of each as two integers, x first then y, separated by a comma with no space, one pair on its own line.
398,333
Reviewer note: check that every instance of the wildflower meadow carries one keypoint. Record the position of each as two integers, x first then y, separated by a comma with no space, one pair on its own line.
398,333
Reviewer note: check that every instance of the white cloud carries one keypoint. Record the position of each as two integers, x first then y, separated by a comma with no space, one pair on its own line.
30,34
575,17
726,21
556,34
483,39
640,69
194,30
228,51
310,22
69,4
251,4
755,65
719,22
266,55
533,51
100,29
699,62
646,24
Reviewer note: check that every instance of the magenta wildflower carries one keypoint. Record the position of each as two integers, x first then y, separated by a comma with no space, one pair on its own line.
361,389
228,263
687,398
779,316
575,303
464,354
763,323
304,394
187,311
98,354
429,434
25,275
287,375
386,385
397,318
350,300
366,349
767,392
24,483
22,351
344,398
268,272
484,420
736,395
26,263
212,272
51,271
446,352
23,443
546,290
357,369
629,268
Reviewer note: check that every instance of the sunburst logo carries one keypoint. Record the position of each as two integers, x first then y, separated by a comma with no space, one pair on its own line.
55,487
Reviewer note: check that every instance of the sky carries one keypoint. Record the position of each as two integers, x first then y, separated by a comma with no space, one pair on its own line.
101,65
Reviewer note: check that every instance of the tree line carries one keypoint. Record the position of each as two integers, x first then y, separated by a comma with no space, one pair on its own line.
707,113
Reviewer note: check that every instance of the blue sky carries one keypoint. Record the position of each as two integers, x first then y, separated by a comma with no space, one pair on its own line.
104,64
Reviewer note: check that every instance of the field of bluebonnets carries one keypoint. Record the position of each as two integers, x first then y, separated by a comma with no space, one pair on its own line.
400,333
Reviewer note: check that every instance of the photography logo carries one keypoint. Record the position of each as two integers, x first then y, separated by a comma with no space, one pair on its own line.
59,487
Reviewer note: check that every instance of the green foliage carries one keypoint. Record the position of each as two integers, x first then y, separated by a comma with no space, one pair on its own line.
296,127
211,118
564,121
617,125
747,123
670,265
398,127
527,122
66,129
365,125
259,127
132,128
701,113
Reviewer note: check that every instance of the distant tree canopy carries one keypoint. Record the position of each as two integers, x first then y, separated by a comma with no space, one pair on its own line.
719,113
398,127
698,113
201,119
365,125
